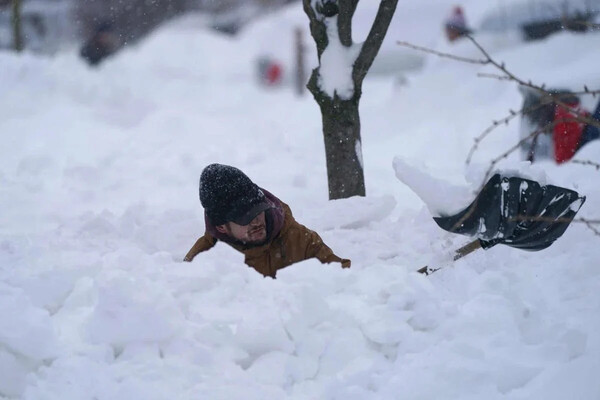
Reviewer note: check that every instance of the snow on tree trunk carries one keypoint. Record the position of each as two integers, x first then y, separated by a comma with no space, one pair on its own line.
336,85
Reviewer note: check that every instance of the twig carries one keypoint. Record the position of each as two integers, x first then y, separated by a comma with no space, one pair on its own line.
509,76
586,162
589,24
501,66
590,225
372,43
443,55
579,116
547,97
587,221
532,135
540,89
585,91
551,219
493,76
497,123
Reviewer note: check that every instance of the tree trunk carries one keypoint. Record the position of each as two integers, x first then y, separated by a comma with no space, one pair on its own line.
341,132
16,22
341,121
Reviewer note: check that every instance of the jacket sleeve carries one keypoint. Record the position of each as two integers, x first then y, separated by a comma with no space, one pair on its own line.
204,243
318,249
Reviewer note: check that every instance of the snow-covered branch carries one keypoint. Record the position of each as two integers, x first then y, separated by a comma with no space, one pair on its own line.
318,30
331,28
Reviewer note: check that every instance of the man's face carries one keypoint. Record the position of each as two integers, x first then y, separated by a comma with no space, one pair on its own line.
254,233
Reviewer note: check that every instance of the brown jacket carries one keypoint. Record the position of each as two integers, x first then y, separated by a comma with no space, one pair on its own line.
293,243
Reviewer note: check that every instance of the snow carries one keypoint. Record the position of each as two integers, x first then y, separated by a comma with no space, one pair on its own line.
441,197
98,191
335,74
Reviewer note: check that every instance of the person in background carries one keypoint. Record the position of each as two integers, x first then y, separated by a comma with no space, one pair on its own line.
255,223
591,131
101,44
456,24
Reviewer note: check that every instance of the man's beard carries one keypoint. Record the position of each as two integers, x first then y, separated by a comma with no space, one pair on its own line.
260,241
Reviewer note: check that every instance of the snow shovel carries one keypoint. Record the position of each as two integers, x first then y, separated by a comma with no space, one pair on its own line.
513,211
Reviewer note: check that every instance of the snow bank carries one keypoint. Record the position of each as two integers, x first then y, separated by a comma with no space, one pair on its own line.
99,200
28,338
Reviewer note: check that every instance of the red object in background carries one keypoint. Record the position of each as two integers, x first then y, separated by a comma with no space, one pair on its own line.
273,73
567,132
456,24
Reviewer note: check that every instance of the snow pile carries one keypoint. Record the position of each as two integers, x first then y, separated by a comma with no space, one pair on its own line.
27,339
99,198
441,197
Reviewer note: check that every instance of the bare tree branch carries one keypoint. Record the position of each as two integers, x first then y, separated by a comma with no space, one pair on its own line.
586,162
495,161
533,135
497,123
551,219
489,60
585,91
344,22
587,24
441,54
540,89
318,30
588,222
590,225
579,116
371,46
547,96
493,76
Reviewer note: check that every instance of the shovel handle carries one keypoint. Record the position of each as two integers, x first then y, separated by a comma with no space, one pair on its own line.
460,253
427,270
467,249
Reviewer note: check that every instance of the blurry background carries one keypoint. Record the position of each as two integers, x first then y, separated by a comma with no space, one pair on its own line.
50,25
47,26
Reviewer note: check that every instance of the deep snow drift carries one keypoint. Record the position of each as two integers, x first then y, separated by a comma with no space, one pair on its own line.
99,204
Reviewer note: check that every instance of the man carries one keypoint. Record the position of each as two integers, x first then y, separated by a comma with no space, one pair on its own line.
456,24
254,222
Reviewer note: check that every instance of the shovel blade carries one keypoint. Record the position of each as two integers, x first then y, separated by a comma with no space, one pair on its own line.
516,212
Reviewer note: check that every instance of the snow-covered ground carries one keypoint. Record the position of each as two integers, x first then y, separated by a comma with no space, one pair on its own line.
99,203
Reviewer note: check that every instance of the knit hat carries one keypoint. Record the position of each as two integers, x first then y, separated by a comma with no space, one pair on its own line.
227,194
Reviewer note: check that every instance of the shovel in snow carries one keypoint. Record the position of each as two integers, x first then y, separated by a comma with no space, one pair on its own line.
513,211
